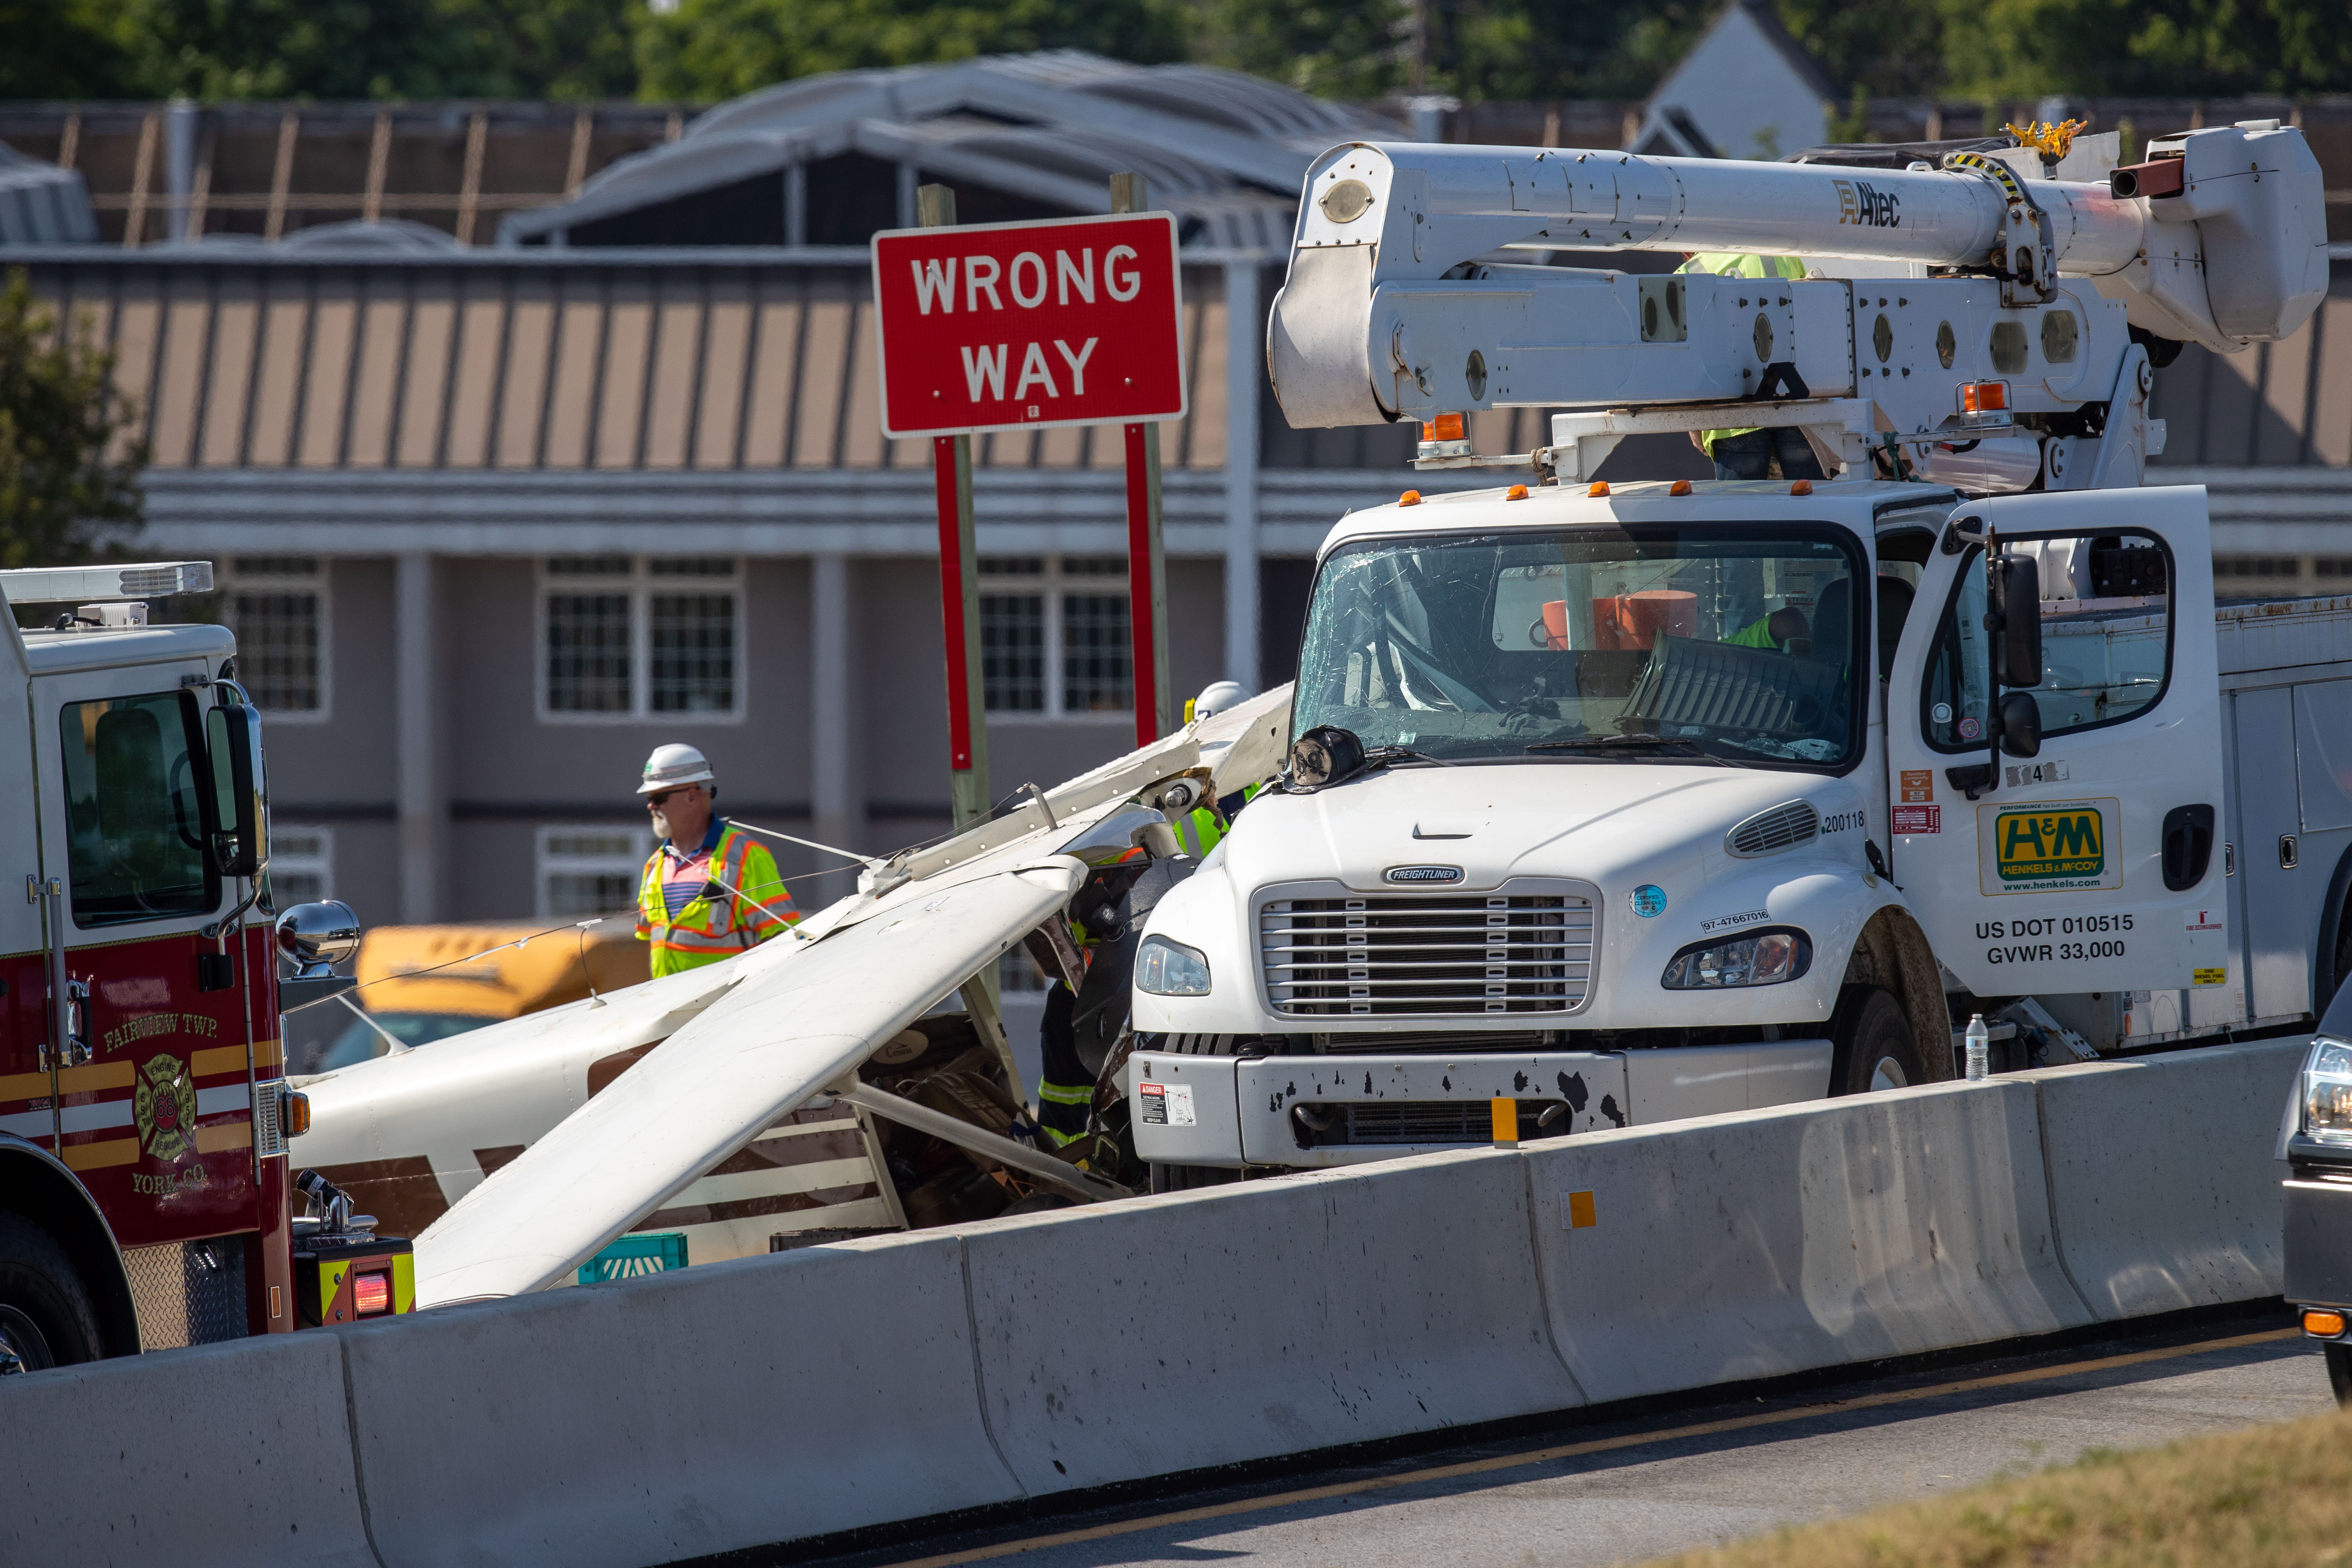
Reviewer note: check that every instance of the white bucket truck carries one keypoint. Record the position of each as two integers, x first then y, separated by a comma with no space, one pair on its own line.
1635,801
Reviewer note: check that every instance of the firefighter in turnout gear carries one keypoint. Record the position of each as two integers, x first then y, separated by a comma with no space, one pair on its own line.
709,890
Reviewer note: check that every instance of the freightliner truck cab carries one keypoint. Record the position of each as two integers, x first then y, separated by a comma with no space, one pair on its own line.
1649,805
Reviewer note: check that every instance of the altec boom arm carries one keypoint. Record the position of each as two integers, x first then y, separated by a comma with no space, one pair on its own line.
1388,313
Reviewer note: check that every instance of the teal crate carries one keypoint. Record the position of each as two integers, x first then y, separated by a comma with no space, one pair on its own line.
634,1254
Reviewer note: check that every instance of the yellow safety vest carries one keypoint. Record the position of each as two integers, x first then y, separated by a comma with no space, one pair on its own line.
1733,264
749,905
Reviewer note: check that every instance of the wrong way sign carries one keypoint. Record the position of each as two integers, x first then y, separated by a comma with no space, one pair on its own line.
1008,326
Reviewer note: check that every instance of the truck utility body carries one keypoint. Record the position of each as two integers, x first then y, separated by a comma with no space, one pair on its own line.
1632,802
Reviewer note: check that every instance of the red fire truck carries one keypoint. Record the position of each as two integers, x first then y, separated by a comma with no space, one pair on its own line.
144,1195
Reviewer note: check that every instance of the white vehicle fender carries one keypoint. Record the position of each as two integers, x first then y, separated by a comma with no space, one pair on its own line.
1830,901
1207,914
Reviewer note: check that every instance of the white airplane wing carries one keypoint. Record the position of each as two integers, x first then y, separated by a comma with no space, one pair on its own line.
769,1044
737,1044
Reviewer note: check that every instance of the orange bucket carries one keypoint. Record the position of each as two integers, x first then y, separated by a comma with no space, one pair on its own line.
1635,620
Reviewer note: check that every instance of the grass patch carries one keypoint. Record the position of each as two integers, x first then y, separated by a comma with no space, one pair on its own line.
2275,1495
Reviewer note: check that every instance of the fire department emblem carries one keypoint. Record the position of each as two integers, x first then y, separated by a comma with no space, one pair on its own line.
166,1110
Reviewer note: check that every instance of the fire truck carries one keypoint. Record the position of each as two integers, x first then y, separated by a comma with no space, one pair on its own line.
145,1200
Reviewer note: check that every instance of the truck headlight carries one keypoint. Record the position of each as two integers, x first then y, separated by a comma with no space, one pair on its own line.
2328,1094
1168,968
1760,958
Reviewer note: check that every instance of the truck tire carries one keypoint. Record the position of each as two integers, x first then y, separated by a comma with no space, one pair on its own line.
1876,1047
45,1319
2339,1372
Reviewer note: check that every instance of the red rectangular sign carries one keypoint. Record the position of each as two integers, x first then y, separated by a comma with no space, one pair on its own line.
1005,326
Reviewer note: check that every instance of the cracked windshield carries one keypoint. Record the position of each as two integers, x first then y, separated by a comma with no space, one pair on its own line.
1640,643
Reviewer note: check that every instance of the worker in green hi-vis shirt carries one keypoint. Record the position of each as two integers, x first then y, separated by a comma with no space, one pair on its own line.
1747,454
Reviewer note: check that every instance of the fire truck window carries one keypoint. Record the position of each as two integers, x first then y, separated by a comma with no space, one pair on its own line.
134,836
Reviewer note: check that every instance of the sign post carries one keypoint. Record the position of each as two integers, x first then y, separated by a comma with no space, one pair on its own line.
1147,552
968,791
1016,326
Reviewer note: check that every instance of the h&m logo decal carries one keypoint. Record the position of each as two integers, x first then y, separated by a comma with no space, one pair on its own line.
1860,202
1423,874
2044,845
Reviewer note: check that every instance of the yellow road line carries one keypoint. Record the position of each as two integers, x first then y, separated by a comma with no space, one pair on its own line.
1594,1446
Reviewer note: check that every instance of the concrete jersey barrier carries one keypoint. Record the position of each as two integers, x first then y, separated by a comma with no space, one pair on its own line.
775,1399
647,1420
1759,1243
236,1454
1267,1317
2163,1187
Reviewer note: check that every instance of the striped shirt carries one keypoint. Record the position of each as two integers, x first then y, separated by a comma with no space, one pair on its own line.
685,876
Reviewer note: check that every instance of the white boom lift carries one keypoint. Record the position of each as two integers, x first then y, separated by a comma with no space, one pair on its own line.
2039,294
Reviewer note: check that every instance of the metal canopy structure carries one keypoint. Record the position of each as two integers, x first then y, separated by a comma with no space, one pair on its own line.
1038,133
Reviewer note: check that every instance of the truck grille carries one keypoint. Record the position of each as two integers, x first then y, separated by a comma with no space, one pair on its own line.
1429,955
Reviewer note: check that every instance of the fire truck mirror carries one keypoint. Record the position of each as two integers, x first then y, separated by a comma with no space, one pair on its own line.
238,831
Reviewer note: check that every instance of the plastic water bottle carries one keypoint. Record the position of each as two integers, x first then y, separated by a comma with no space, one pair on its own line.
1979,1048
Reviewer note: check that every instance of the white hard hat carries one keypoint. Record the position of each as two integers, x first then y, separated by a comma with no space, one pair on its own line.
1225,694
673,765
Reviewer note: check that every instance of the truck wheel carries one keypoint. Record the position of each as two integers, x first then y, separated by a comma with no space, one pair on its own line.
2339,1372
1875,1049
44,1313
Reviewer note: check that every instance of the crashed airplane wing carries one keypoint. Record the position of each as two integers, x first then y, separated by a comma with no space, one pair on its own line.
664,1082
772,1042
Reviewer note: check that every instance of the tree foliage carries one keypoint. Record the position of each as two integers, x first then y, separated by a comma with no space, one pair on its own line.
708,50
705,50
2014,49
68,466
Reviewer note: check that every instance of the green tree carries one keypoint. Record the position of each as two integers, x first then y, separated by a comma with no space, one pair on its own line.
711,49
2012,51
69,461
63,50
1332,48
1882,49
228,50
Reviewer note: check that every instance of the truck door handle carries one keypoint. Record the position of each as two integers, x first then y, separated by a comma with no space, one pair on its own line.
2188,845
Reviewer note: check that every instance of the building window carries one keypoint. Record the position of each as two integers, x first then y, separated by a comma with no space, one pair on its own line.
301,865
630,637
1054,636
276,605
590,870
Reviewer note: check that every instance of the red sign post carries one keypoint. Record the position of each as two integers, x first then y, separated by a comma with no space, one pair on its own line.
1015,326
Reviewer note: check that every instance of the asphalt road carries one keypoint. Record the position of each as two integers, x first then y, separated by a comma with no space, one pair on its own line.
1626,1490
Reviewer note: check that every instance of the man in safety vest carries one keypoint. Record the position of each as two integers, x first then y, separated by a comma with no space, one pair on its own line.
708,891
1747,454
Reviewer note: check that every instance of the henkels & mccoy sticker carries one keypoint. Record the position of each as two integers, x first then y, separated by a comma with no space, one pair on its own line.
2048,846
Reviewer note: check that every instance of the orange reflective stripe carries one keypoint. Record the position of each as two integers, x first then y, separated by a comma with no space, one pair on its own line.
716,926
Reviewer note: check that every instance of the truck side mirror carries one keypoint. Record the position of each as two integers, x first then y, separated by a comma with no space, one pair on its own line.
239,829
2020,724
2015,602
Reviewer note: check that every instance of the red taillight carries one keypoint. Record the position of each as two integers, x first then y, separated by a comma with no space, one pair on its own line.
1984,397
371,1294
